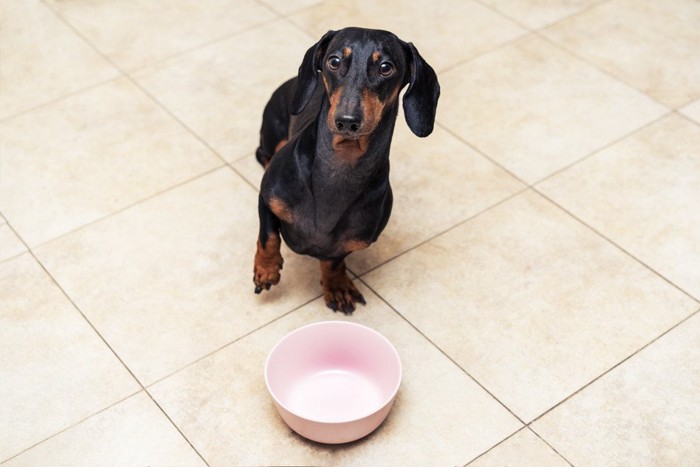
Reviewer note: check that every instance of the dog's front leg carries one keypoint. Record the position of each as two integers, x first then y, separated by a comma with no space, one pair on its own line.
339,292
268,260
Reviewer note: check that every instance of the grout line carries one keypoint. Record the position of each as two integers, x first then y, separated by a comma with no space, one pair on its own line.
181,53
602,70
60,98
442,232
63,430
138,85
161,60
209,354
442,351
613,243
502,45
550,446
594,380
134,82
131,205
116,355
511,436
603,148
495,446
248,182
528,31
546,25
482,153
53,279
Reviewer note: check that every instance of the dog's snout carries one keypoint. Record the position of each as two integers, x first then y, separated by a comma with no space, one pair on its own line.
348,122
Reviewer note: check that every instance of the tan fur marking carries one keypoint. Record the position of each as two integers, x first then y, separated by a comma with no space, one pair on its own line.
268,263
355,245
349,149
373,110
280,145
334,100
281,210
346,52
376,55
392,98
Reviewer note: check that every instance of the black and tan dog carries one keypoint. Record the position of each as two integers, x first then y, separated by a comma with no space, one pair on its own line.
325,147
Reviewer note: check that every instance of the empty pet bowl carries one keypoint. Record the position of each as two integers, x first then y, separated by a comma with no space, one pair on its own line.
333,381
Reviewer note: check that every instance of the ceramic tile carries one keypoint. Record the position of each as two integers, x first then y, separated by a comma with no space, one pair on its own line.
539,13
692,111
643,194
529,302
220,91
10,244
651,45
170,280
441,417
287,7
42,59
644,412
135,33
445,32
133,432
536,109
54,370
418,165
523,448
85,157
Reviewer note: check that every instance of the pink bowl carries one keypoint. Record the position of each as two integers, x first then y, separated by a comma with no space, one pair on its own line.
333,381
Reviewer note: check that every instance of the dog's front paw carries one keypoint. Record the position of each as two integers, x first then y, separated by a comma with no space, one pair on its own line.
266,277
339,292
342,296
268,264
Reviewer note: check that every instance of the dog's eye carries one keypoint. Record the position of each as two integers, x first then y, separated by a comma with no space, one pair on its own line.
334,62
386,69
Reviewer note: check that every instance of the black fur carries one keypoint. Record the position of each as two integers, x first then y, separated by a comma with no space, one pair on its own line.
336,197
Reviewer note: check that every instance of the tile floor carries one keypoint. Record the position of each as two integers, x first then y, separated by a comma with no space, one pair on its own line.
540,275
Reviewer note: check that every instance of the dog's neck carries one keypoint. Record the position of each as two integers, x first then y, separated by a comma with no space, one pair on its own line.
345,168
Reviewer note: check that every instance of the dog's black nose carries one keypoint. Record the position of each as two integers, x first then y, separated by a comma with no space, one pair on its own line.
348,123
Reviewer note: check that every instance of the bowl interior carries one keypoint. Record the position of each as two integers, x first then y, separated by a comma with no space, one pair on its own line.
333,372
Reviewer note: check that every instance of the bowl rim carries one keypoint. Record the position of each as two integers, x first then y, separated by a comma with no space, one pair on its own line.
385,402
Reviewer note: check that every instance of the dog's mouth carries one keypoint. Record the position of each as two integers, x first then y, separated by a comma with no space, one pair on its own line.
349,134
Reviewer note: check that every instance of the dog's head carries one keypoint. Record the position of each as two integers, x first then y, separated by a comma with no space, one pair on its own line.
363,71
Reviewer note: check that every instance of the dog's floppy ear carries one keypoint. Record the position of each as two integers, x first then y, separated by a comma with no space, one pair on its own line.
308,73
421,98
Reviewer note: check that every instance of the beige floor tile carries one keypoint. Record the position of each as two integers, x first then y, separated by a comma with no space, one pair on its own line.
82,158
54,370
445,32
10,244
538,13
522,449
644,413
220,91
692,110
441,417
535,108
133,432
135,33
287,7
643,194
651,45
468,183
170,280
42,59
530,302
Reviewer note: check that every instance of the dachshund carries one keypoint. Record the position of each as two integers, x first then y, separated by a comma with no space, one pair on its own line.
324,144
